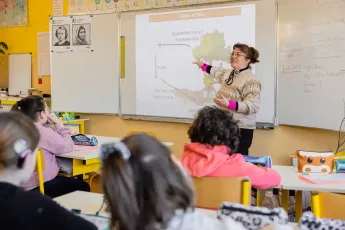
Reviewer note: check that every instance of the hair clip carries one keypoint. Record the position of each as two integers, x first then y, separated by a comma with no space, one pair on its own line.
111,148
21,148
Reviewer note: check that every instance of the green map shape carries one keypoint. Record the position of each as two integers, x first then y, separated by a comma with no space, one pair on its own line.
212,47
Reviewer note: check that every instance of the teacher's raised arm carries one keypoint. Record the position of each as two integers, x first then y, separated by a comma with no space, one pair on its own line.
240,91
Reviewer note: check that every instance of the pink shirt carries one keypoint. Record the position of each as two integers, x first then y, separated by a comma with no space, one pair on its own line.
53,141
201,161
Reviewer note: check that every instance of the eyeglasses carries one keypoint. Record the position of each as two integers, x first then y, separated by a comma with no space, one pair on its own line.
237,55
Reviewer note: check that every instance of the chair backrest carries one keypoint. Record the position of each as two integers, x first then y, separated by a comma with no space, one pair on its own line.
153,134
211,192
328,205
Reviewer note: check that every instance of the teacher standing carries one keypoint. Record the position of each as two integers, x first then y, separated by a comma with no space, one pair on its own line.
239,92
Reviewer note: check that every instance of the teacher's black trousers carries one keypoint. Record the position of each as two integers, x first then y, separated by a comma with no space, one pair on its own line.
246,140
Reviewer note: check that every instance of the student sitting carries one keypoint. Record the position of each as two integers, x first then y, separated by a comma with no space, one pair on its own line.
145,188
215,136
54,141
19,209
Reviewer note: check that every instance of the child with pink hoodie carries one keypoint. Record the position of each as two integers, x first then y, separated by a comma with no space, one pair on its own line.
215,137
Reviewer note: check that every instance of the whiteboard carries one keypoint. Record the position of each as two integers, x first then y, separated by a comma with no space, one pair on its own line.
88,82
19,72
311,75
264,30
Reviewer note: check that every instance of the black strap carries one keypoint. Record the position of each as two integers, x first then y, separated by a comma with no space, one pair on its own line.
234,73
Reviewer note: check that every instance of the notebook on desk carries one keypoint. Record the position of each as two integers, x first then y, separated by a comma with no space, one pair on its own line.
66,165
319,178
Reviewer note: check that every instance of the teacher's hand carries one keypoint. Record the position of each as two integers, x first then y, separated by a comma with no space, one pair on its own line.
221,101
198,62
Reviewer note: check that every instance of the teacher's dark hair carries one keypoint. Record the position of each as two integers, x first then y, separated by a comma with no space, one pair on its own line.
144,191
214,126
251,53
31,106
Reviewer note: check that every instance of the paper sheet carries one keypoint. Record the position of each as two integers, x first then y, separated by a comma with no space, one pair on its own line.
77,7
43,54
319,178
102,223
82,148
66,165
57,8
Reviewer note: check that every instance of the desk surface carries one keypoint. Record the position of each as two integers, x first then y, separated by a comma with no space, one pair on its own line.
92,154
90,203
290,181
87,202
76,120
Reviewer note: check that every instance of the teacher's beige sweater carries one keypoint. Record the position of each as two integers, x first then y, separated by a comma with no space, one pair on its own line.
245,90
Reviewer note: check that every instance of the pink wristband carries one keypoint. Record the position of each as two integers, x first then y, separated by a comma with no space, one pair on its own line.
232,105
204,67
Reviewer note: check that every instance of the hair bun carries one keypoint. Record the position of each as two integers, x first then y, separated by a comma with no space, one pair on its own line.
254,55
20,103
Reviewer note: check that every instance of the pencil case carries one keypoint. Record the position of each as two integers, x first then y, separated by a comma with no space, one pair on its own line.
265,161
340,166
81,139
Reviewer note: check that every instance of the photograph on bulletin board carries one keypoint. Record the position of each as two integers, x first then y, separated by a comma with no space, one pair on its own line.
60,34
81,33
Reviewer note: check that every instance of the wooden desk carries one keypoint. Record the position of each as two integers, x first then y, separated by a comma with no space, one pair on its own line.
290,181
88,161
90,203
8,102
87,202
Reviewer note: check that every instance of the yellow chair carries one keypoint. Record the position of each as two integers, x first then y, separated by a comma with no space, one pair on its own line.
140,131
328,205
39,169
211,192
92,176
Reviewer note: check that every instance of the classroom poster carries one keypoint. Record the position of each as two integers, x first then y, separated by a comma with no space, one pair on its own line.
111,6
60,28
57,8
43,57
81,33
77,7
94,6
13,13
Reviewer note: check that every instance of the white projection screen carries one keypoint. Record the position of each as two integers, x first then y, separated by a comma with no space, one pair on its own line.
160,79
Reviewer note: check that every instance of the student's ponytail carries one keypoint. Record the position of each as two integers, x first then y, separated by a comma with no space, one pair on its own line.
31,106
15,107
143,186
119,187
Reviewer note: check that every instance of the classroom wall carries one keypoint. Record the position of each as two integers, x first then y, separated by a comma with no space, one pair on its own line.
278,143
3,71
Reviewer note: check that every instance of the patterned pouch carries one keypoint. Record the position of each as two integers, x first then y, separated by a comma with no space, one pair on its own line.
253,218
308,221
